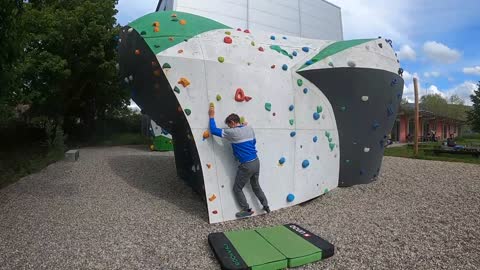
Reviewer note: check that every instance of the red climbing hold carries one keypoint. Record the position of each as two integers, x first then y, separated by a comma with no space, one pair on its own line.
227,40
239,95
238,29
247,31
273,66
180,51
215,212
261,49
137,52
247,98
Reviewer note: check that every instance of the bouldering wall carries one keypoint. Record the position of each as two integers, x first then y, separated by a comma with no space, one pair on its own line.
161,139
178,63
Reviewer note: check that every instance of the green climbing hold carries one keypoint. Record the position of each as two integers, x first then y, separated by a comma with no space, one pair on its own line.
176,89
280,50
292,122
221,59
268,106
325,191
166,65
219,97
299,82
242,120
332,146
188,111
253,43
319,109
330,139
327,134
143,33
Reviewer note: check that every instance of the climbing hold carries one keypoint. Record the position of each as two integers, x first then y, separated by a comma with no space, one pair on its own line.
294,53
130,30
261,49
292,122
126,80
305,90
325,191
327,134
227,40
366,149
330,139
183,22
268,106
239,29
319,109
309,62
347,161
323,116
362,171
137,52
228,33
399,95
239,95
212,198
272,37
171,38
176,89
315,139
188,111
166,65
246,31
316,116
332,146
212,104
375,125
343,108
156,29
292,134
351,64
214,212
305,164
318,157
273,66
380,45
252,43
291,108
143,33
247,98
284,37
285,67
221,59
274,114
154,64
330,64
400,72
242,120
364,98
156,24
180,51
281,161
306,49
219,97
389,111
157,73
394,82
156,46
299,82
290,197
206,134
184,82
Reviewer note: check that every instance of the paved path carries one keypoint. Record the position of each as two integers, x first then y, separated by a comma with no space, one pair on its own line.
124,208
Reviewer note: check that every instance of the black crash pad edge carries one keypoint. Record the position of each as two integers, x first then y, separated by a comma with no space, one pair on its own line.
225,252
327,248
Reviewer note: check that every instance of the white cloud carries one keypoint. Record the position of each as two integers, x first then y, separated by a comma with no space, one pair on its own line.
440,53
433,74
407,53
472,70
463,90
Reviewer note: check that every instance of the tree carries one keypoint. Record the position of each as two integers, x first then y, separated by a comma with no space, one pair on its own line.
474,114
434,102
455,99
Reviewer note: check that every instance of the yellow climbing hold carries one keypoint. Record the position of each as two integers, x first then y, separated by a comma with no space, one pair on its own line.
219,97
221,59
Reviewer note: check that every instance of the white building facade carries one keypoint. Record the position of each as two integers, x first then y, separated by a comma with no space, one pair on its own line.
316,19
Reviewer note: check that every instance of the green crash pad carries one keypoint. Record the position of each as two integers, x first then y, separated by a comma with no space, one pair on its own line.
162,143
269,248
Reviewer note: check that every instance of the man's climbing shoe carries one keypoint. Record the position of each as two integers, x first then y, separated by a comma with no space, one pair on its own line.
267,209
244,213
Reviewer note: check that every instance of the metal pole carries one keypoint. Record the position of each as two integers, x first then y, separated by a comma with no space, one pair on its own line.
417,127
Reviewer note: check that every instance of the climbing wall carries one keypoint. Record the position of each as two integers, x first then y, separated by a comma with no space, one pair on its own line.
177,64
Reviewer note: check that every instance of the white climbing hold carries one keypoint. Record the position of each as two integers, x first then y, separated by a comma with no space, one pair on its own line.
365,98
366,149
130,77
130,30
127,80
351,64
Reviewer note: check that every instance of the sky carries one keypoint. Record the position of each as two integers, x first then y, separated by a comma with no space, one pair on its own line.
437,41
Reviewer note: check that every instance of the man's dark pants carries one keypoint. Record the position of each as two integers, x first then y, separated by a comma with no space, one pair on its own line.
248,171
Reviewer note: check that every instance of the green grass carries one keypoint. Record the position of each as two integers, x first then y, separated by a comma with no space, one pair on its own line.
407,152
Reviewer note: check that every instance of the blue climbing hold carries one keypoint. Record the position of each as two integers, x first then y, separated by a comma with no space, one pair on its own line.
292,134
315,139
291,108
399,95
285,67
375,125
294,53
281,161
290,197
272,37
389,111
284,37
394,82
305,49
309,62
316,115
305,163
305,90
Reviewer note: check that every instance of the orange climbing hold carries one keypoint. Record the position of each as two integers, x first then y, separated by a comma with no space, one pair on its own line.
212,198
227,40
184,82
180,51
156,24
156,29
209,165
137,52
206,134
171,39
183,22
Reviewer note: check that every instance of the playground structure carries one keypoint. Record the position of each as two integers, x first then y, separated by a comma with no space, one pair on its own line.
321,110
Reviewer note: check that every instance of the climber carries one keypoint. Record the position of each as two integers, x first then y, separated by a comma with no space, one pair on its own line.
243,142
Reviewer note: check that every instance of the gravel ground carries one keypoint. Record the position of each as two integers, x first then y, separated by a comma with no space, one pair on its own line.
124,208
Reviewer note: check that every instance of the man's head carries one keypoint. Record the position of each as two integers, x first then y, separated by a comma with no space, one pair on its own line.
232,120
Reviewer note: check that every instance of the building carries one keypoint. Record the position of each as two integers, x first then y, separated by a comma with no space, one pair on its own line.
316,19
442,125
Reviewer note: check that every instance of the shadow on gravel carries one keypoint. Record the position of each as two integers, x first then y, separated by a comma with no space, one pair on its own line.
157,176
